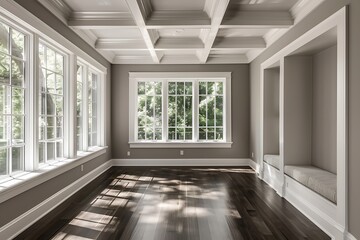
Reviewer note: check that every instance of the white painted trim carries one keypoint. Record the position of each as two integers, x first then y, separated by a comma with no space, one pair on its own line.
24,221
195,77
183,162
349,236
254,165
180,144
41,177
319,210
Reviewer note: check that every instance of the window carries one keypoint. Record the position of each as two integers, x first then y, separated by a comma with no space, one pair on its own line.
88,102
12,104
51,99
48,107
180,110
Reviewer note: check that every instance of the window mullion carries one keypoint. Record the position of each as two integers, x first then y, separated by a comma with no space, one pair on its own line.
195,110
85,107
32,104
165,111
70,108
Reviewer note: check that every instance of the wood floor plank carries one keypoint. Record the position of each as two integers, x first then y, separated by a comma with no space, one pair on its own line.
165,203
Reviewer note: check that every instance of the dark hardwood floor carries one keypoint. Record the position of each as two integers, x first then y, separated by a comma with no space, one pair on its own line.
177,203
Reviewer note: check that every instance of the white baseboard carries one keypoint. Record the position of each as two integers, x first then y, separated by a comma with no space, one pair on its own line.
19,224
254,165
319,210
183,162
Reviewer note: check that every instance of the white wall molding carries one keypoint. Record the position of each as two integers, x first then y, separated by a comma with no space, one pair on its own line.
19,224
183,162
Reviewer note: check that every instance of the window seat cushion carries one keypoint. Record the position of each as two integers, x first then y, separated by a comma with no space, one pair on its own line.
273,160
318,180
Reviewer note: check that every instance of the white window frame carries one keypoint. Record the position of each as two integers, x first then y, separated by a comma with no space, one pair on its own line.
135,77
20,19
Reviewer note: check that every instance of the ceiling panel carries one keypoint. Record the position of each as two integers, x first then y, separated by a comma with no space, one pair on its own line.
118,33
242,32
97,5
179,5
261,5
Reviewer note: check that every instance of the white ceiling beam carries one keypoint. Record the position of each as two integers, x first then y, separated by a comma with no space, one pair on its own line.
216,20
139,18
120,44
178,43
238,42
95,20
258,19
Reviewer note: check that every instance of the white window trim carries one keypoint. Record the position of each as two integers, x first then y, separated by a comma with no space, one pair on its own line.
134,77
17,17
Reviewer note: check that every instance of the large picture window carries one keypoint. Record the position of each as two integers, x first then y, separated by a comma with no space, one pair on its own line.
180,109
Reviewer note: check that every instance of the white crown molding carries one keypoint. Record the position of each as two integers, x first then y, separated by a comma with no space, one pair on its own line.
121,59
59,8
146,8
349,236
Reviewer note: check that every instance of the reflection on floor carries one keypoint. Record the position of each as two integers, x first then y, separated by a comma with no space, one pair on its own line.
185,203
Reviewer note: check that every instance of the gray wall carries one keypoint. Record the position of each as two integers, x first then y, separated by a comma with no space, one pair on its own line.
324,110
297,110
16,206
271,110
240,112
322,12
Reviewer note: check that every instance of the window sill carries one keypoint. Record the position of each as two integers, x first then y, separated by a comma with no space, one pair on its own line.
19,183
180,144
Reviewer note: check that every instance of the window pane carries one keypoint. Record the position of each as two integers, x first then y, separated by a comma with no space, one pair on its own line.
171,134
210,111
17,73
219,133
158,88
210,134
17,101
180,111
3,159
17,129
172,88
3,131
17,159
50,104
210,88
188,133
50,59
42,152
202,88
50,82
149,88
158,134
180,133
149,133
202,111
219,88
4,96
50,151
59,105
141,88
59,84
17,44
180,88
59,65
202,133
4,38
188,111
219,111
172,111
141,133
59,150
4,69
188,88
158,111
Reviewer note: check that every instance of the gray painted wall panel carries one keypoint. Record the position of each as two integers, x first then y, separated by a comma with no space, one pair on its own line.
271,111
297,110
240,112
322,12
324,110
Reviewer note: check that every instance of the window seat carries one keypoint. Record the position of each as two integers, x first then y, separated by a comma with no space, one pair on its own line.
273,160
318,180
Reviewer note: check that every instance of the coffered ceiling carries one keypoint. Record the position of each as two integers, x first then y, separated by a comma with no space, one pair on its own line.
180,31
